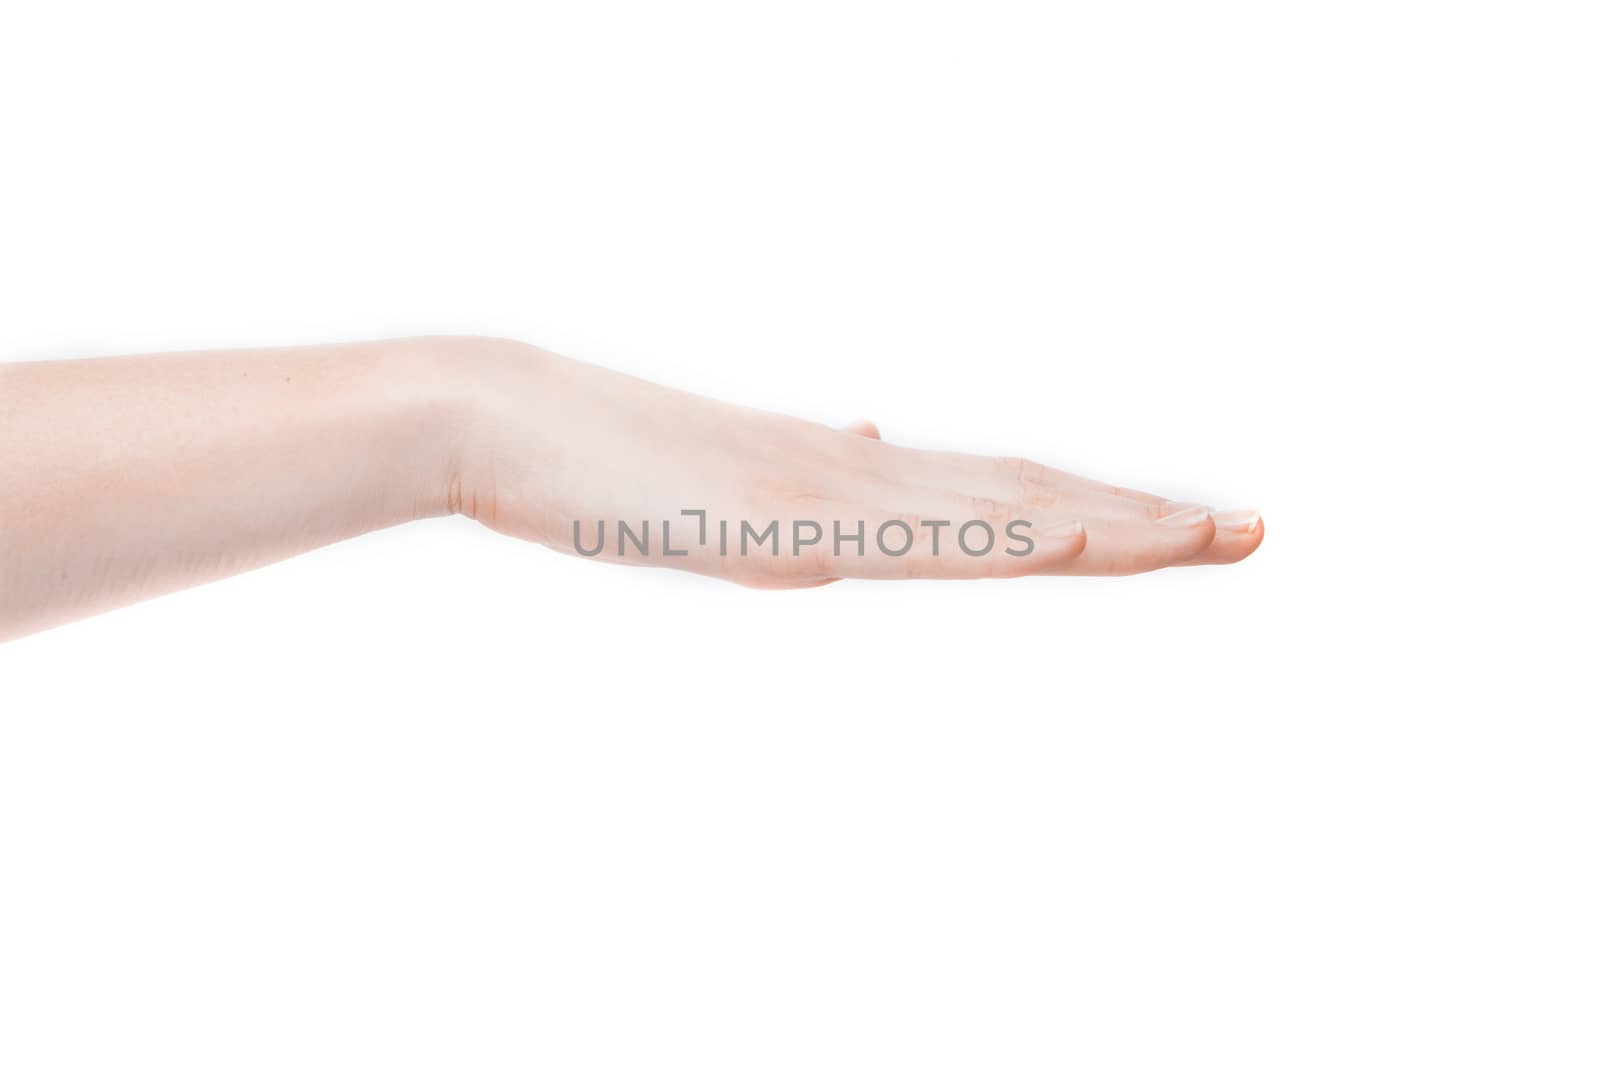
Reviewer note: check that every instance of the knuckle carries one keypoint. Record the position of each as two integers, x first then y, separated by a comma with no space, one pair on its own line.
1027,482
989,509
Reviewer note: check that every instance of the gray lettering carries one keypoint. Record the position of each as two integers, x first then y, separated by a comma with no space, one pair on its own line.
961,537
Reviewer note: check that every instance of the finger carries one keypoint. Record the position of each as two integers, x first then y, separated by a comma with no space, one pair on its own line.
1239,533
1133,546
951,545
814,584
1129,531
1025,483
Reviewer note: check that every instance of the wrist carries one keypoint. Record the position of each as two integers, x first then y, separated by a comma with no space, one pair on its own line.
463,387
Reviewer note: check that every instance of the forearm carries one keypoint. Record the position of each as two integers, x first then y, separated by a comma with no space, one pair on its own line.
131,477
126,478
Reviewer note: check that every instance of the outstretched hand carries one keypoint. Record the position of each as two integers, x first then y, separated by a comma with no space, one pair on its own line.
128,478
591,461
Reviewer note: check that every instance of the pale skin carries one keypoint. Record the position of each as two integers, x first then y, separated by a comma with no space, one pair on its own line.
131,477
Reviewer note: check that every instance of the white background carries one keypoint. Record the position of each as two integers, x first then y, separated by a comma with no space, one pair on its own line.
432,796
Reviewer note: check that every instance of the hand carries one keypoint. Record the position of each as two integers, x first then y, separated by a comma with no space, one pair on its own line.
128,478
550,442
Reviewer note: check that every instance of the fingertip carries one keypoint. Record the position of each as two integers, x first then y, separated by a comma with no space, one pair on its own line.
770,583
864,428
1117,548
1200,534
1070,543
1251,540
1239,534
1063,545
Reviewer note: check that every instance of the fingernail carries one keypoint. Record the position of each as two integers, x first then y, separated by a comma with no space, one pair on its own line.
1186,517
1238,520
1070,528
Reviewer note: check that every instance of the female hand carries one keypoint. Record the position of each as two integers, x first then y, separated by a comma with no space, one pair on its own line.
551,443
126,478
